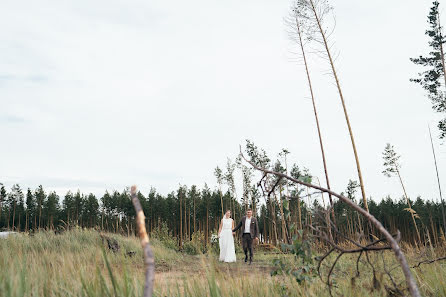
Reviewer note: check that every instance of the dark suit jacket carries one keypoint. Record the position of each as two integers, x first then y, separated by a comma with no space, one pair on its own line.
254,228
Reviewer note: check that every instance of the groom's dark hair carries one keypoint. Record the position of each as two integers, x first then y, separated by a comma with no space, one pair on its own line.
249,209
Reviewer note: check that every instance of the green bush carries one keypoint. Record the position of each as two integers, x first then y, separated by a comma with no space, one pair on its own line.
196,245
302,267
163,235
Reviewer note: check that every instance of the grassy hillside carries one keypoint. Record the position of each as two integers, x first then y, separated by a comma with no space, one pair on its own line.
78,263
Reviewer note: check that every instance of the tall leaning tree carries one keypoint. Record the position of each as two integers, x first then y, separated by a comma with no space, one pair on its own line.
392,166
296,23
315,12
433,78
438,181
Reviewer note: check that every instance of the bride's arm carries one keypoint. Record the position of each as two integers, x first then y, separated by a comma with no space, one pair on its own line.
233,225
219,229
238,226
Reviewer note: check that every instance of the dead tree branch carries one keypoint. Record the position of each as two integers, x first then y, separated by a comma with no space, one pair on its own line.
149,259
360,250
410,281
274,186
429,261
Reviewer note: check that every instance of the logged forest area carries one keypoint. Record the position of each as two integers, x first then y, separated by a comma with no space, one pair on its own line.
226,183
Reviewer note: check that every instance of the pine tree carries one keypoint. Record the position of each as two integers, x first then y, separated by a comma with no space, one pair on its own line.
433,80
30,210
20,211
14,197
78,204
194,196
51,208
91,210
2,199
40,198
67,207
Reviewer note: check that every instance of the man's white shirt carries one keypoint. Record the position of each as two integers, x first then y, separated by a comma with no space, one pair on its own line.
247,225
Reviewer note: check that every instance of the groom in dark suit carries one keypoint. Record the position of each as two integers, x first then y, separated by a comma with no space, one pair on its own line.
250,229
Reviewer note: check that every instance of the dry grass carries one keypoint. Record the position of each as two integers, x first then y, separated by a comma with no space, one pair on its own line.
76,263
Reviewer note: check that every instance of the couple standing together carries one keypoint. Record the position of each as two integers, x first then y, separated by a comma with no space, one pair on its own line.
226,233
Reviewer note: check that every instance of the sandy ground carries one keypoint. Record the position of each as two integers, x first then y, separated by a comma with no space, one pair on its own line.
6,234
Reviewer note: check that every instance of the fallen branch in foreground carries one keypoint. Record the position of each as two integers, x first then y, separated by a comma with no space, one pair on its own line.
149,259
375,246
410,281
429,261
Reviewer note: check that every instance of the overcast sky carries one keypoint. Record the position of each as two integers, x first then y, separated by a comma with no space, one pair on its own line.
99,95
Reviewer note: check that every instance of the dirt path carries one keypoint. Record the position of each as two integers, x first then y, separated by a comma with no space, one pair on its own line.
199,266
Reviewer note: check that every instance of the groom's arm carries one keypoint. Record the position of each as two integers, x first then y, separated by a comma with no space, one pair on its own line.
238,226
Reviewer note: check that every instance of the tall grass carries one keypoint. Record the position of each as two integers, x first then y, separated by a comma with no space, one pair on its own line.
78,263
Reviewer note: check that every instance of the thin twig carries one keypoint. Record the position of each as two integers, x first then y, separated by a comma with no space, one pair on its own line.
429,261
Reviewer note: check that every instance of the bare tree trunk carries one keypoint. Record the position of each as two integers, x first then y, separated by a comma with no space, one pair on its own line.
194,216
436,169
273,214
13,216
233,201
410,207
189,234
361,230
327,49
207,223
185,219
315,115
270,233
1,208
181,221
128,226
40,213
221,200
284,233
434,233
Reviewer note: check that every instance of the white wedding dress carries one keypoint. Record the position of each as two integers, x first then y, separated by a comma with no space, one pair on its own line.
227,249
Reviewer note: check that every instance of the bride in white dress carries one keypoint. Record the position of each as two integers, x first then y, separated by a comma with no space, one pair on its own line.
227,249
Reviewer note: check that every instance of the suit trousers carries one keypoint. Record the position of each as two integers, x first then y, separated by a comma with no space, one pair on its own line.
247,244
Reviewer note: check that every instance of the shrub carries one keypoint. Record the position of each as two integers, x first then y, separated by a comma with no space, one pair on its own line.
165,237
196,245
302,268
